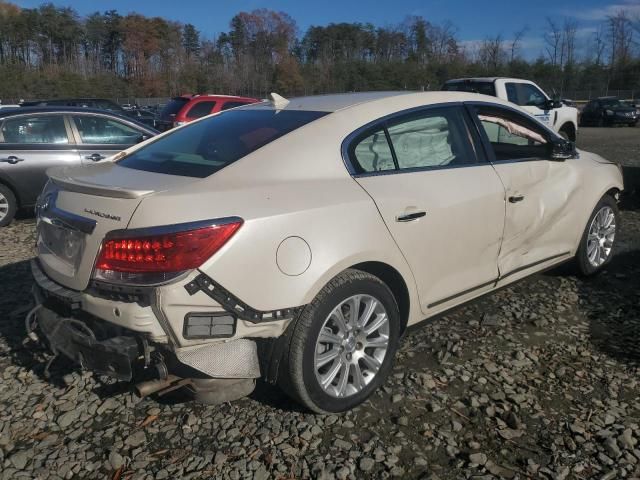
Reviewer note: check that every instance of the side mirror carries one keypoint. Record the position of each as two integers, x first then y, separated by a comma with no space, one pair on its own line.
142,138
552,103
561,150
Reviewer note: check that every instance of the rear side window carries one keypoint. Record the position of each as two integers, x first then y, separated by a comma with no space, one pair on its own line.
429,139
36,129
373,153
201,109
204,147
485,88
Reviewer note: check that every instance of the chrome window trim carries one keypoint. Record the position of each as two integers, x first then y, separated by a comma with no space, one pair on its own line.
381,123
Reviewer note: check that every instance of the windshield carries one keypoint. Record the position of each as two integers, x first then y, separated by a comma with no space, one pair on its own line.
485,88
204,147
613,102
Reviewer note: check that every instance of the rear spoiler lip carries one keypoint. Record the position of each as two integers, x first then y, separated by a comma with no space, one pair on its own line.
75,185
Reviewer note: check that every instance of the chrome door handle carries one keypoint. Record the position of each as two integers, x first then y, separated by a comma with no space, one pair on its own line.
408,217
516,198
11,159
96,157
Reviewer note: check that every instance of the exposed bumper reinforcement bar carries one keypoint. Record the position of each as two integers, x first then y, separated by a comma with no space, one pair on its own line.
233,304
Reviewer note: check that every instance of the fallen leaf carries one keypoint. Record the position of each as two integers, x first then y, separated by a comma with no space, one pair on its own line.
147,421
118,473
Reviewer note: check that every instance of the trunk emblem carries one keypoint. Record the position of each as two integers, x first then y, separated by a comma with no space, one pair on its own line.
96,213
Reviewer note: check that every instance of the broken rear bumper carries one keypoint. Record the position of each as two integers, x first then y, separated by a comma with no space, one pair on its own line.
111,349
115,356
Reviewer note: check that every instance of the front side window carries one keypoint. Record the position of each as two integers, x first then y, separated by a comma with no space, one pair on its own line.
202,148
512,93
201,109
512,136
35,129
105,131
525,95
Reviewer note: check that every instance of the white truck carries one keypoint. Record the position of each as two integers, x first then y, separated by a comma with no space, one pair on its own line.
525,93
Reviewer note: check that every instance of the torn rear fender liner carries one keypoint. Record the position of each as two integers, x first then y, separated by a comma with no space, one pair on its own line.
213,370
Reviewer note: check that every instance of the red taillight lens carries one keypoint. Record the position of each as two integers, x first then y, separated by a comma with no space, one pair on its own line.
164,253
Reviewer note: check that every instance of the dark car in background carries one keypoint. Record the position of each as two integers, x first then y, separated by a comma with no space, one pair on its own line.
148,118
186,108
33,139
609,111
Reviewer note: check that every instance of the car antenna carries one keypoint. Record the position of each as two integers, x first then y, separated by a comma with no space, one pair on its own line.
278,101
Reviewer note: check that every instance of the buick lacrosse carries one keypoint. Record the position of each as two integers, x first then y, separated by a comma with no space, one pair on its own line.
295,240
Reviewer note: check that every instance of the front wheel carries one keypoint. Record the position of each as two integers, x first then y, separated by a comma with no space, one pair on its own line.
599,238
343,344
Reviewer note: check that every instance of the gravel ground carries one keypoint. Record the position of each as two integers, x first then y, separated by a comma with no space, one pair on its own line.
540,380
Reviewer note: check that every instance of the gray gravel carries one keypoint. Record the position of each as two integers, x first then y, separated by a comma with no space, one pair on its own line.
540,380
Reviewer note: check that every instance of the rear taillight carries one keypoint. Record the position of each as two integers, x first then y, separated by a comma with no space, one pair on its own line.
155,258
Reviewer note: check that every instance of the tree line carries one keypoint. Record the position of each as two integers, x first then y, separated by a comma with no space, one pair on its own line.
52,51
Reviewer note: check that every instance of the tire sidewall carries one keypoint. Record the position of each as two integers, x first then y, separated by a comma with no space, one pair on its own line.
8,194
583,261
321,399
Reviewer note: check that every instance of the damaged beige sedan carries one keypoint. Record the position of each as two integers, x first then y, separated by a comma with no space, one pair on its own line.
295,241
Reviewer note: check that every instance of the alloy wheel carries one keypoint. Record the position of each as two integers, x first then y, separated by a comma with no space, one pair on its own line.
351,345
4,206
602,232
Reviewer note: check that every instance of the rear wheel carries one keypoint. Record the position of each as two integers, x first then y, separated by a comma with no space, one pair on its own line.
599,238
343,344
8,205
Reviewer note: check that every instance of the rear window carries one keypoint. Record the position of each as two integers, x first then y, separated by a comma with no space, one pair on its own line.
204,147
173,107
485,88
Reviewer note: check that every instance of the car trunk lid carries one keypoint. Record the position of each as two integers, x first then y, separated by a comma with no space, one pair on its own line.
80,206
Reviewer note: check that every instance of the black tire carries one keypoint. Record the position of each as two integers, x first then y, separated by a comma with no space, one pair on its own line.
582,262
564,134
8,202
297,374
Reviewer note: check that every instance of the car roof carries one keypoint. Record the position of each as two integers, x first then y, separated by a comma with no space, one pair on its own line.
70,99
214,96
342,101
11,112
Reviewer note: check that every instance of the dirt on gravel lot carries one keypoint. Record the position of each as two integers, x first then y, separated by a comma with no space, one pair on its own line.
540,380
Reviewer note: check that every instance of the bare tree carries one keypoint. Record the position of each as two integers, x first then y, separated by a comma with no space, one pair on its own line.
514,45
569,30
620,38
491,52
553,40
